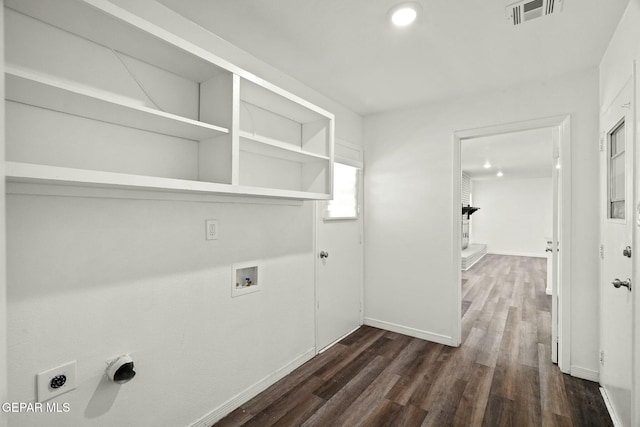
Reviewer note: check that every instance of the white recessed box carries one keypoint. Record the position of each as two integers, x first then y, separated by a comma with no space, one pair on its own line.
246,278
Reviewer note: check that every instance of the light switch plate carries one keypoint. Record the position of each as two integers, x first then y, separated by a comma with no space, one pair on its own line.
211,229
56,381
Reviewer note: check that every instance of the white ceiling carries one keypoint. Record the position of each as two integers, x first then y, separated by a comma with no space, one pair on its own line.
347,49
527,154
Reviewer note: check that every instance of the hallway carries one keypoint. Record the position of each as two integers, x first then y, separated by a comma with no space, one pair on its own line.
500,376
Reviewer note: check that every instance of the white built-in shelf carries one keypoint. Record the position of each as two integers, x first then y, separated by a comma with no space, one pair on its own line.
280,102
44,174
32,88
109,25
288,154
29,172
273,148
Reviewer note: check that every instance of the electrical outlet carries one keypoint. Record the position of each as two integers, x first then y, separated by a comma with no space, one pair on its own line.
56,381
211,229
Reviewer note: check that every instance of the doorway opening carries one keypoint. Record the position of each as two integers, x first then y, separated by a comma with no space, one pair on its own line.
517,171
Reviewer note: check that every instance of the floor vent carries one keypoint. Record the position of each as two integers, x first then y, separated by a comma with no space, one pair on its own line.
524,11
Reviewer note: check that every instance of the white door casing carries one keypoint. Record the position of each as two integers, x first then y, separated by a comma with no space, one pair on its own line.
617,127
561,292
555,238
635,392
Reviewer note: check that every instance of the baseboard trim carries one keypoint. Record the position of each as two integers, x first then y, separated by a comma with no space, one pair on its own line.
250,392
412,332
612,413
527,254
585,374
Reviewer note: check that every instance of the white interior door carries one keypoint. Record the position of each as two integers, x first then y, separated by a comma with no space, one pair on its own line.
635,393
617,222
339,245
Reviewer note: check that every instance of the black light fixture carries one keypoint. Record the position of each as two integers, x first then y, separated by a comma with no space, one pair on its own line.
468,210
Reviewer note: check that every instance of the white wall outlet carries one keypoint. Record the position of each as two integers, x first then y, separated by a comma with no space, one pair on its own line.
211,229
56,381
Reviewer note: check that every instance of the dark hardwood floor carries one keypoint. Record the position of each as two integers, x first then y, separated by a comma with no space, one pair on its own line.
500,376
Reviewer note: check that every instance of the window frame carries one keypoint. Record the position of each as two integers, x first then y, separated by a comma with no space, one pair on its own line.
610,158
326,216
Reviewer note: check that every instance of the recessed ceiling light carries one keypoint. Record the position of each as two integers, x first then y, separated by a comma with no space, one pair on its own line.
487,165
404,14
499,173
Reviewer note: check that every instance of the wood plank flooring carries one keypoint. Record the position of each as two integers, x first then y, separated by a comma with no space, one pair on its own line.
500,376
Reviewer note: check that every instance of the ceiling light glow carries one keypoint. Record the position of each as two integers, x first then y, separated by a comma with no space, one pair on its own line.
499,173
403,17
404,14
487,165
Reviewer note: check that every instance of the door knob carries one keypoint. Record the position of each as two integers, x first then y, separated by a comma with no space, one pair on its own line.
324,254
627,252
617,283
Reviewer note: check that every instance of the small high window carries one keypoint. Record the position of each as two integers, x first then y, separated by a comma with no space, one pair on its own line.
616,171
345,193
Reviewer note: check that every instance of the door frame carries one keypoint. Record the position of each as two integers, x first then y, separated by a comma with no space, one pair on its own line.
635,268
352,155
563,125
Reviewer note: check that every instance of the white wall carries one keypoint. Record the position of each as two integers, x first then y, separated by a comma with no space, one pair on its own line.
409,188
624,48
515,215
91,278
3,282
615,69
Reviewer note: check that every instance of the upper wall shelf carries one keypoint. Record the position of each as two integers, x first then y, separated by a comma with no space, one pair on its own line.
98,97
291,107
43,174
274,148
35,89
106,24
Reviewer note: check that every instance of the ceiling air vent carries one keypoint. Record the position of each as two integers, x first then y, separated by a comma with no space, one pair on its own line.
526,10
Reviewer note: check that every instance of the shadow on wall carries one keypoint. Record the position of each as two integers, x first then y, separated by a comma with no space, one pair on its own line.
103,398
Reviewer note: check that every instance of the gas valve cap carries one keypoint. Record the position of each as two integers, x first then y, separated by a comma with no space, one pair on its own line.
121,369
